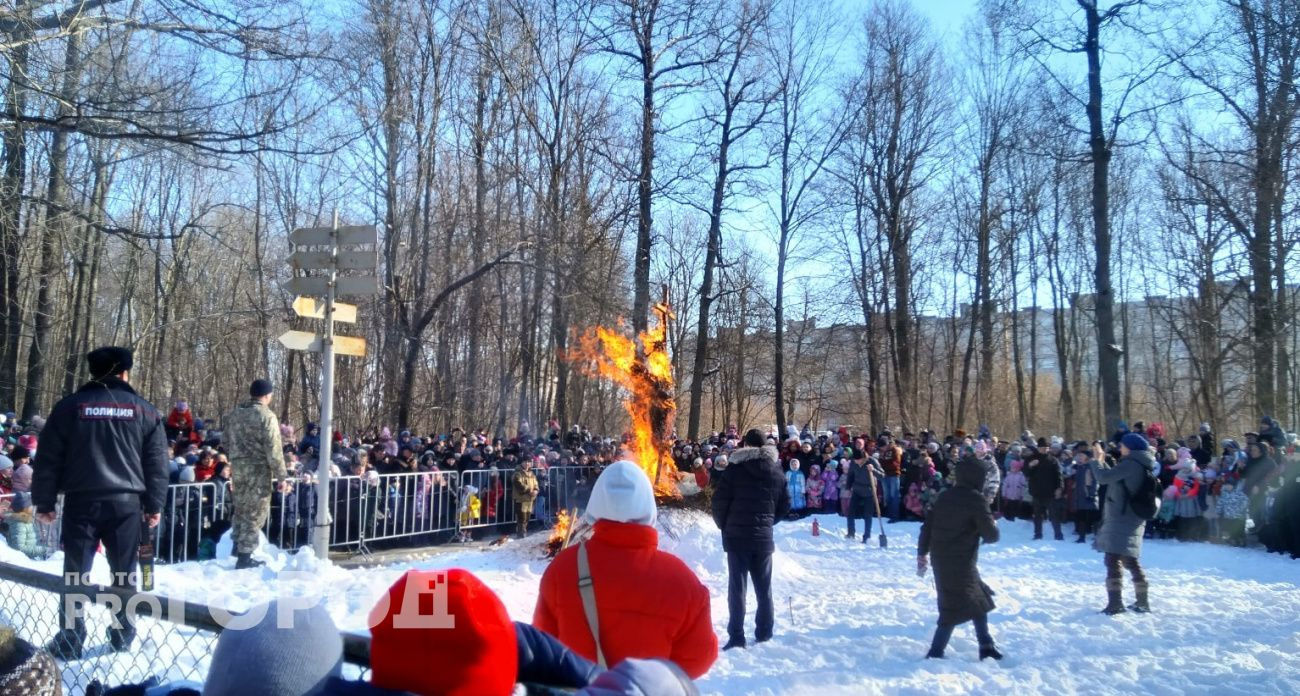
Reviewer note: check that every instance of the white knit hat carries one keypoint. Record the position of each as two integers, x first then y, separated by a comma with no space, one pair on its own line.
623,494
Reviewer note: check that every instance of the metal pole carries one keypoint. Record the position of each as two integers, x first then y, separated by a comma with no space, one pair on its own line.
324,518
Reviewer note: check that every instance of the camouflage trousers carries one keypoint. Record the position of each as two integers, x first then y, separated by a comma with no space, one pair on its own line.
252,508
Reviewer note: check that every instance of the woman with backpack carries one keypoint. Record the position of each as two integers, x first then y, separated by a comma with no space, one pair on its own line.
1130,498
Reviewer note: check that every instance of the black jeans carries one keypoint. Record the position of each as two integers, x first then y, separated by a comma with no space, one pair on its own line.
1085,522
860,506
115,522
1048,508
943,634
740,568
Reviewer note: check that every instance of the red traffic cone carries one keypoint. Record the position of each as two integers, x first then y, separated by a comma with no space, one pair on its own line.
817,528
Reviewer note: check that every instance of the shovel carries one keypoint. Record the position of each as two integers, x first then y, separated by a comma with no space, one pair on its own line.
884,540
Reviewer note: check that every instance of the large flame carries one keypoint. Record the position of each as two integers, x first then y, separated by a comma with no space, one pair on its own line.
647,375
559,534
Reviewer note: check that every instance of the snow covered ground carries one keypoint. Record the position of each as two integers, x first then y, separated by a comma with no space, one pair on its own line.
855,619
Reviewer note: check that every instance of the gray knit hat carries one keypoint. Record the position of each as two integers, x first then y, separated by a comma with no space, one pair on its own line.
272,661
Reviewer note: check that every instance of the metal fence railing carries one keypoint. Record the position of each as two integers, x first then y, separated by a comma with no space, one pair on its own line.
390,510
174,641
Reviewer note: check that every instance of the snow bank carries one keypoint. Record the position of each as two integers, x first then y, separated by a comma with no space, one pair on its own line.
855,619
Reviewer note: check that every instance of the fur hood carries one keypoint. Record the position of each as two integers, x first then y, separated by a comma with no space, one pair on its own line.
24,516
746,454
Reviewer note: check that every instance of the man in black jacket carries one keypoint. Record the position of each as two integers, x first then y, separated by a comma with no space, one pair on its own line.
105,449
750,497
1046,485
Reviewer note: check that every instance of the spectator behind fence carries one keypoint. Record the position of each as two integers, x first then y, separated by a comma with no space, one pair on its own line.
647,603
104,448
26,670
20,532
296,657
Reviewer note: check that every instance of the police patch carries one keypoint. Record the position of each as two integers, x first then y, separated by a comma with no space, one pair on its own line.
111,411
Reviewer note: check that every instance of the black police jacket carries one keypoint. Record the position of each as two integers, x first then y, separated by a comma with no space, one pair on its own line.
102,441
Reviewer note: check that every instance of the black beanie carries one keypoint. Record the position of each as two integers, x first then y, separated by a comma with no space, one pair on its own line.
109,361
260,388
755,438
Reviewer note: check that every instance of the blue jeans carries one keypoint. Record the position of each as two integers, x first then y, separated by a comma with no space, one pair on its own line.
892,498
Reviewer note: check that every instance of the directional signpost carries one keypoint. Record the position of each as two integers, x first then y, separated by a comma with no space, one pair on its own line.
318,250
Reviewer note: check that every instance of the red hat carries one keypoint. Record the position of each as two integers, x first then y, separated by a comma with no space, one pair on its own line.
467,648
28,441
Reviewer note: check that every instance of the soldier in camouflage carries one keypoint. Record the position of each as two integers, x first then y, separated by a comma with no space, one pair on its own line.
524,482
252,440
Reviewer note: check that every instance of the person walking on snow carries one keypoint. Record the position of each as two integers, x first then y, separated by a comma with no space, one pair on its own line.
1046,485
951,535
859,484
750,497
1121,531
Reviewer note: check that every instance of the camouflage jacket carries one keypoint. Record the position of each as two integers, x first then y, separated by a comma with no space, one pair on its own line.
525,485
251,437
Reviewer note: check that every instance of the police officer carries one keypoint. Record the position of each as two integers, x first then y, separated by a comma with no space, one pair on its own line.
105,449
251,435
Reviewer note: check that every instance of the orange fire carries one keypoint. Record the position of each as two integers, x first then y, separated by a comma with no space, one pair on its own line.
647,375
559,533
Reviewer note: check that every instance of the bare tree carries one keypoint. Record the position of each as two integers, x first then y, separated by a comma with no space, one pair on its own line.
900,97
741,102
807,131
665,42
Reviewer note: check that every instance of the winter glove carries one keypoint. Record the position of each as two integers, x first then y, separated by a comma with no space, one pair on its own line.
922,564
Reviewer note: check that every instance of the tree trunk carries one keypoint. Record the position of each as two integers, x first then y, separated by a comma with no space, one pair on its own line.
711,254
474,330
1100,154
644,189
57,219
12,186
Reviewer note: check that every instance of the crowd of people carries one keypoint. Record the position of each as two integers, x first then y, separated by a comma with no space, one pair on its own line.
1218,491
590,630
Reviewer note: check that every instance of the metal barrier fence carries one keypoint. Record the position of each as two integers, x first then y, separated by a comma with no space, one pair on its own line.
174,641
495,496
416,509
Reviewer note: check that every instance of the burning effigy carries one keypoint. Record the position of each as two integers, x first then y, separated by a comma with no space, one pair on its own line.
643,367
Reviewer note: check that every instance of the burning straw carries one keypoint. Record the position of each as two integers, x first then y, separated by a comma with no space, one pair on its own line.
644,369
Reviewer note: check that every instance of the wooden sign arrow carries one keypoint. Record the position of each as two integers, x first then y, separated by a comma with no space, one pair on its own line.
314,309
313,343
323,260
345,285
323,236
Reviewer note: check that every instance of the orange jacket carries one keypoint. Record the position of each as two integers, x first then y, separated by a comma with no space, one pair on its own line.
649,604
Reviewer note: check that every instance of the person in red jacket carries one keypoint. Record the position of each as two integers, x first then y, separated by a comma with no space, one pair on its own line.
180,421
648,602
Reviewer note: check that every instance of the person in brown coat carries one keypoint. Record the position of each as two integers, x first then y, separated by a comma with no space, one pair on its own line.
952,532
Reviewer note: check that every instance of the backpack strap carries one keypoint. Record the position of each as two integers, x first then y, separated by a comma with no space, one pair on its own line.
587,590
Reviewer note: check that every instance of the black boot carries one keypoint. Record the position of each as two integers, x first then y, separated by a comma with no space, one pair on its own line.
66,645
1141,606
934,654
245,560
988,650
1114,604
733,644
120,639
